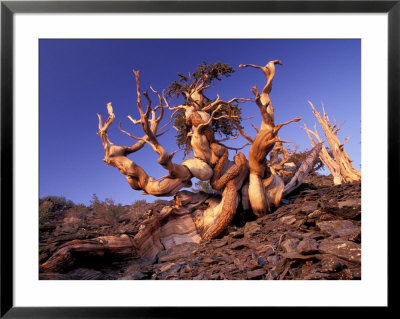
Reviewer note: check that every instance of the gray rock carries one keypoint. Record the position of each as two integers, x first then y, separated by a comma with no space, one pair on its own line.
240,244
344,249
256,274
251,229
331,264
291,234
288,220
307,246
356,237
273,260
209,260
265,250
138,275
339,228
289,245
179,251
308,207
315,214
272,275
295,255
238,234
349,202
220,243
262,261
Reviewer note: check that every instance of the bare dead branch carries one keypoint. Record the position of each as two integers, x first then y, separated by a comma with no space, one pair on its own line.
228,138
247,137
237,148
211,117
279,126
255,127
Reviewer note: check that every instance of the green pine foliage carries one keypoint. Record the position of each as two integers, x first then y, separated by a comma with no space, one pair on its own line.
209,73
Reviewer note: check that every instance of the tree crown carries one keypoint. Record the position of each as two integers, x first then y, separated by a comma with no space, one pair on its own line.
192,88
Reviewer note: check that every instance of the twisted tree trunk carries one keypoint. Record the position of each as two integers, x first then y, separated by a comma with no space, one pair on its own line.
265,188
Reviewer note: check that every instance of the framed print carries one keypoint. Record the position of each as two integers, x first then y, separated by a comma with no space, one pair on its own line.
271,227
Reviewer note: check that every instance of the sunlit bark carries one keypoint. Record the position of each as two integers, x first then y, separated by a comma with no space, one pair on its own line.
341,167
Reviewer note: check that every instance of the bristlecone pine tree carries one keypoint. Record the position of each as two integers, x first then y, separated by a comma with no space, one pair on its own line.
245,183
340,165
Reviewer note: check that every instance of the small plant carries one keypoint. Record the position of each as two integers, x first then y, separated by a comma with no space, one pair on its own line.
49,206
107,209
204,186
139,203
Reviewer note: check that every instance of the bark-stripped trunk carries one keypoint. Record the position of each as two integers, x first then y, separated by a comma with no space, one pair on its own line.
324,156
214,220
343,162
264,191
304,169
66,256
263,144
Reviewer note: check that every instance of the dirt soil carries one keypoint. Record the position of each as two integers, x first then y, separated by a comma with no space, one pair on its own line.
314,234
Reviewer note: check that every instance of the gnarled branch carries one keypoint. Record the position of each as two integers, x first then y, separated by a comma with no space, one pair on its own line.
343,161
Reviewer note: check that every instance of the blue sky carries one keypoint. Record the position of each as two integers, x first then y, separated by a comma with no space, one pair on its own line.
78,77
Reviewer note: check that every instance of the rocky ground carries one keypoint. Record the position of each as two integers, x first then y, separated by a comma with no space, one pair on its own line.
314,234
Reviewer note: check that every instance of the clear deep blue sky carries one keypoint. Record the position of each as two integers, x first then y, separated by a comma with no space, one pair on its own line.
78,77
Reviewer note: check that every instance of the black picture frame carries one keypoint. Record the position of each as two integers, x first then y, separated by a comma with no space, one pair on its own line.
9,8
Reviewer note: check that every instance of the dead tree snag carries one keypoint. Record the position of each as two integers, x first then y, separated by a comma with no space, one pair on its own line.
340,165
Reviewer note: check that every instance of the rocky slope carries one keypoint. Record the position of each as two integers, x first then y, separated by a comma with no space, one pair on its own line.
314,234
